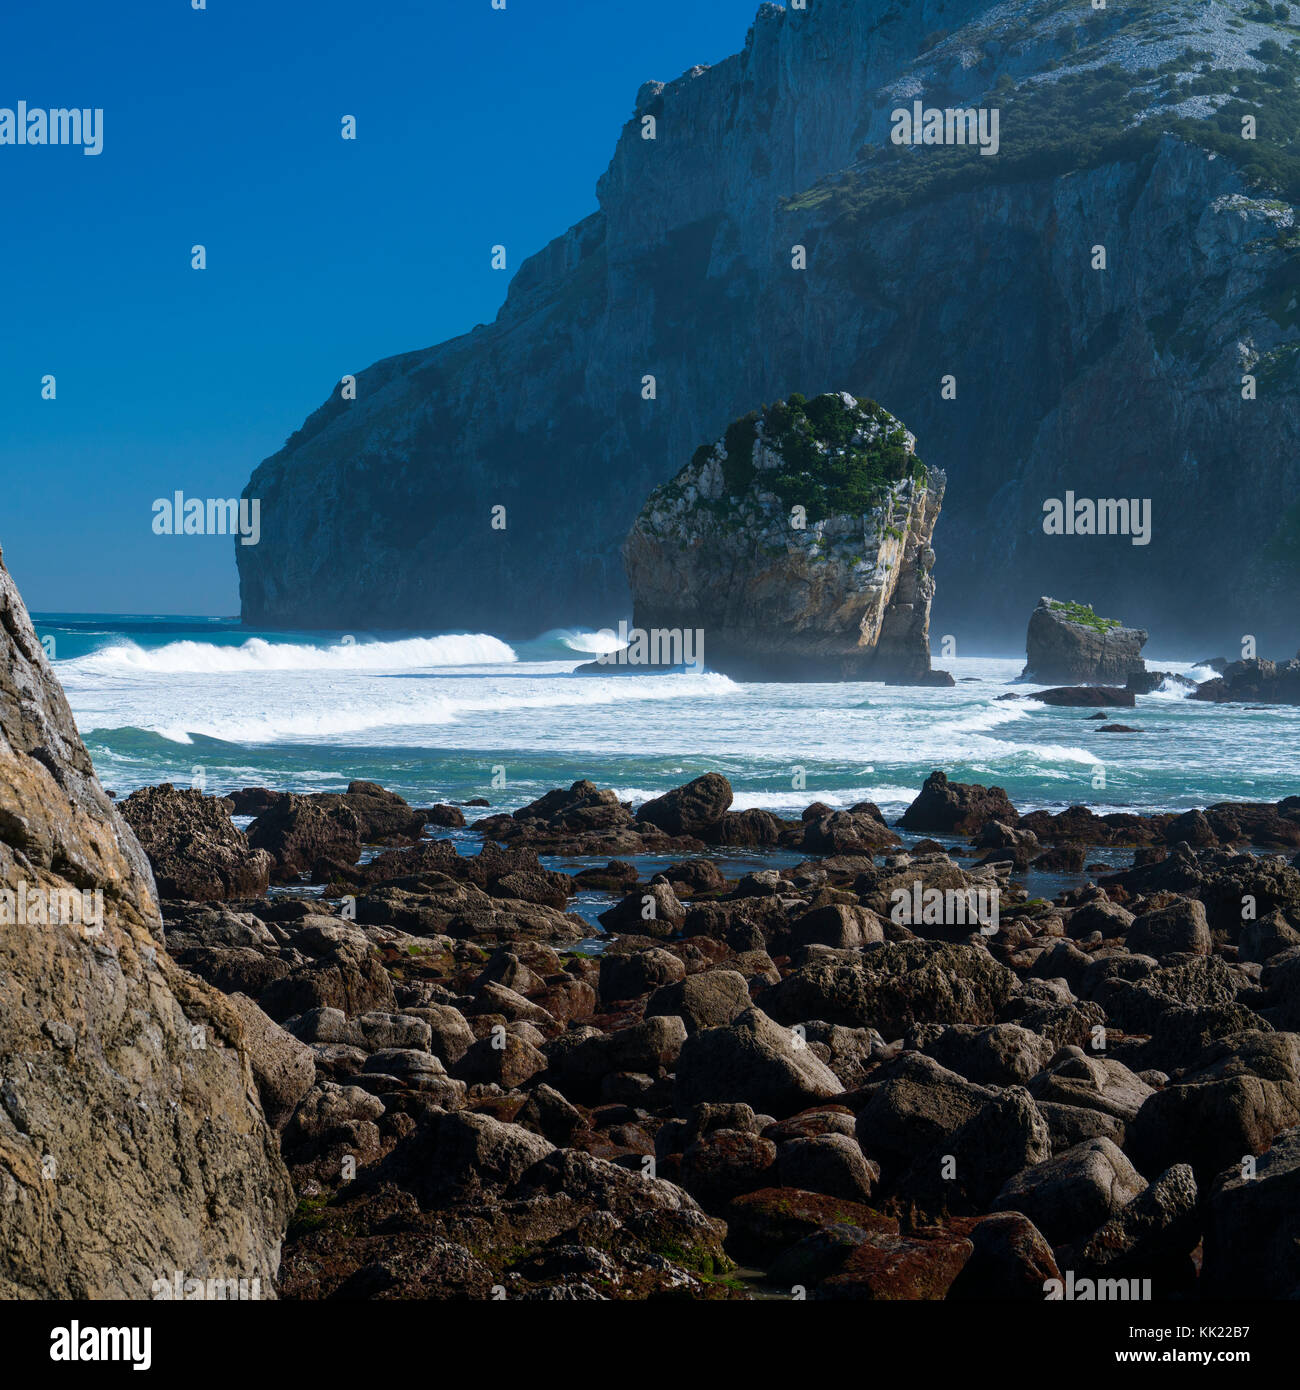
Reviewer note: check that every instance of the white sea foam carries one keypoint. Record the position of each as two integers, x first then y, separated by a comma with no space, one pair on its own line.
257,654
310,717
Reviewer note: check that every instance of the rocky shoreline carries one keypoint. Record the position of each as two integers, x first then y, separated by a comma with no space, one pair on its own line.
799,1078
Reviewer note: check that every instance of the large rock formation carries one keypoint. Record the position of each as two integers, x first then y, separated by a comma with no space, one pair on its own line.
1120,128
798,545
1069,642
132,1141
1257,681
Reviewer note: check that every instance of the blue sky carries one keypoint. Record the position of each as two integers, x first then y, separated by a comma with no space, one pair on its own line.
222,128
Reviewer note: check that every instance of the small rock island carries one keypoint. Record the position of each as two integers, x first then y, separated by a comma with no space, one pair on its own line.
1068,644
799,544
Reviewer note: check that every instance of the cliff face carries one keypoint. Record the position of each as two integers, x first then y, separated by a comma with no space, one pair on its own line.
1068,644
1119,133
798,545
132,1141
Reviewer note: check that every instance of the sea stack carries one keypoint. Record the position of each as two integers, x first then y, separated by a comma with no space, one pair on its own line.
1068,644
798,545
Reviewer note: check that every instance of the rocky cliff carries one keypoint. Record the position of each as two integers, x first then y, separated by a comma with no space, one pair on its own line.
1067,643
132,1141
798,545
1093,297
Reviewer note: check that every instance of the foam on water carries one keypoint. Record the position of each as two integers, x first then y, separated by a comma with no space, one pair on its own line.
257,655
432,716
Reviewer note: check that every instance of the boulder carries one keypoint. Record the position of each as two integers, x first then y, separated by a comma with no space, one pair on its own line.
284,1068
1071,1195
194,848
126,1151
297,831
710,999
753,1060
957,808
694,809
894,986
1252,1234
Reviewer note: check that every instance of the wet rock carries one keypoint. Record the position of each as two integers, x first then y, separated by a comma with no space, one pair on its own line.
1086,697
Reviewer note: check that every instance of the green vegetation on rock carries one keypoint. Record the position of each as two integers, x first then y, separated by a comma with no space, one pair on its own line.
840,460
1082,614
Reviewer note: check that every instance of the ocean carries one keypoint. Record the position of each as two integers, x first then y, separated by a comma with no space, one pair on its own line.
447,717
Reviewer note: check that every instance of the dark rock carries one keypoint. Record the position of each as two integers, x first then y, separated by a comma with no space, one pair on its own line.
1252,1234
1068,643
756,1061
299,830
694,809
957,808
1085,696
194,848
1070,1196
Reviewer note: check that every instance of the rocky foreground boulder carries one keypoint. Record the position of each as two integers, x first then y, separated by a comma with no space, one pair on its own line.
1068,643
132,1140
799,545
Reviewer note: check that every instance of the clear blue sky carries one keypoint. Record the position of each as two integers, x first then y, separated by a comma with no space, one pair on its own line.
222,127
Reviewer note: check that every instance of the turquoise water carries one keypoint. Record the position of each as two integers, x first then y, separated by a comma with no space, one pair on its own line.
449,717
